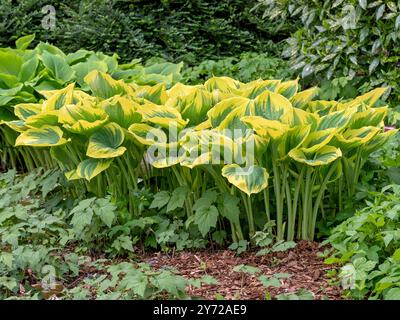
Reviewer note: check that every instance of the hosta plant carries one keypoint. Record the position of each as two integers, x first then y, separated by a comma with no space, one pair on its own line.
264,142
26,75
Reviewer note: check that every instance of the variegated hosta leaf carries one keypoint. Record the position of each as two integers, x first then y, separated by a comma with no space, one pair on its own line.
376,142
300,99
59,98
122,111
221,110
354,138
106,142
46,136
46,118
147,135
180,90
337,119
301,117
25,110
16,125
72,175
250,180
320,157
104,86
266,128
194,106
289,88
233,121
318,139
82,119
186,160
223,84
253,89
292,139
156,94
165,117
369,99
322,107
370,117
90,168
272,106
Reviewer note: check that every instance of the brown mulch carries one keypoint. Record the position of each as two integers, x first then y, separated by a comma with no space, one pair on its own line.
306,269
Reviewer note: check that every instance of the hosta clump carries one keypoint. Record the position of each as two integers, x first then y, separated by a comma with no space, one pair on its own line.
264,142
30,75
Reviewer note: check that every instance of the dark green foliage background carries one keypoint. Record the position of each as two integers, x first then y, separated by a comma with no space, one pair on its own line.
188,30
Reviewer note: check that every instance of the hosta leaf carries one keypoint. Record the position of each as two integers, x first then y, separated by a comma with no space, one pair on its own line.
223,84
300,99
147,135
156,94
289,88
322,156
354,138
106,142
90,168
369,98
376,142
370,117
25,110
57,66
56,99
24,42
82,118
104,86
250,180
222,109
318,139
122,111
338,119
195,105
28,69
46,136
255,88
43,119
266,128
291,139
272,106
16,125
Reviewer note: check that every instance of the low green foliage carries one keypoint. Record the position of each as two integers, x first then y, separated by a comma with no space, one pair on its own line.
368,245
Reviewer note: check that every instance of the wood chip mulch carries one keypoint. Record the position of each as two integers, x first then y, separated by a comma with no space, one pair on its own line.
307,271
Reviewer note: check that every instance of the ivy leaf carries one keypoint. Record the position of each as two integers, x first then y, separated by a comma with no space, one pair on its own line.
392,294
269,281
229,208
8,282
206,218
106,211
160,200
242,268
7,258
81,219
136,281
206,200
171,283
177,199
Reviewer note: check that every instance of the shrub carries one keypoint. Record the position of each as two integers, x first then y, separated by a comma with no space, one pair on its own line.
179,30
352,39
